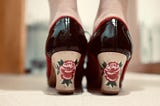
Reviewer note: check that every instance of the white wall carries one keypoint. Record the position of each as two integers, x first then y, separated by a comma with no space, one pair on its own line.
36,11
149,20
149,11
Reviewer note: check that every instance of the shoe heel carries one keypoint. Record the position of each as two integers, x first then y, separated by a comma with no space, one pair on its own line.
65,64
112,66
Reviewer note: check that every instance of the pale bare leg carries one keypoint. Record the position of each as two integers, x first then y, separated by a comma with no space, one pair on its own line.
109,8
59,8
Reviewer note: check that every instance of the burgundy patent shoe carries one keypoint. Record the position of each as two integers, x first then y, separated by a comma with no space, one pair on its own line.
109,52
65,52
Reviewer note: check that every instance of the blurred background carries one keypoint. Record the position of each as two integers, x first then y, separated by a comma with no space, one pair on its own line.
24,29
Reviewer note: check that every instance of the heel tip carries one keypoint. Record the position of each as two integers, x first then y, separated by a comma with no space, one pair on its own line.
65,92
109,92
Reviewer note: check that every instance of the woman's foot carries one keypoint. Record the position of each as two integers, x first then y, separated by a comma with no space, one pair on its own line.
109,50
65,48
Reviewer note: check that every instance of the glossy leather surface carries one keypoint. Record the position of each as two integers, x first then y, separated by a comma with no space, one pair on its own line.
66,34
111,36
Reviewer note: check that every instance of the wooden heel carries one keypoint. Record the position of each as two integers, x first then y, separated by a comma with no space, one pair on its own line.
112,65
65,64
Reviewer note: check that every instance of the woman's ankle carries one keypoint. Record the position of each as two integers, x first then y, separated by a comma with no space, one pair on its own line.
111,8
60,8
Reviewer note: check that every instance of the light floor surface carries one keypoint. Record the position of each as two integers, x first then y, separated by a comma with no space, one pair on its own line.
32,90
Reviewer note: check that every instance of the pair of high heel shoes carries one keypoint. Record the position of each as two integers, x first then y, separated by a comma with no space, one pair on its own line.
108,54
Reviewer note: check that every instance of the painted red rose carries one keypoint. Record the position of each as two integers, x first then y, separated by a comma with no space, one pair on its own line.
111,71
67,69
